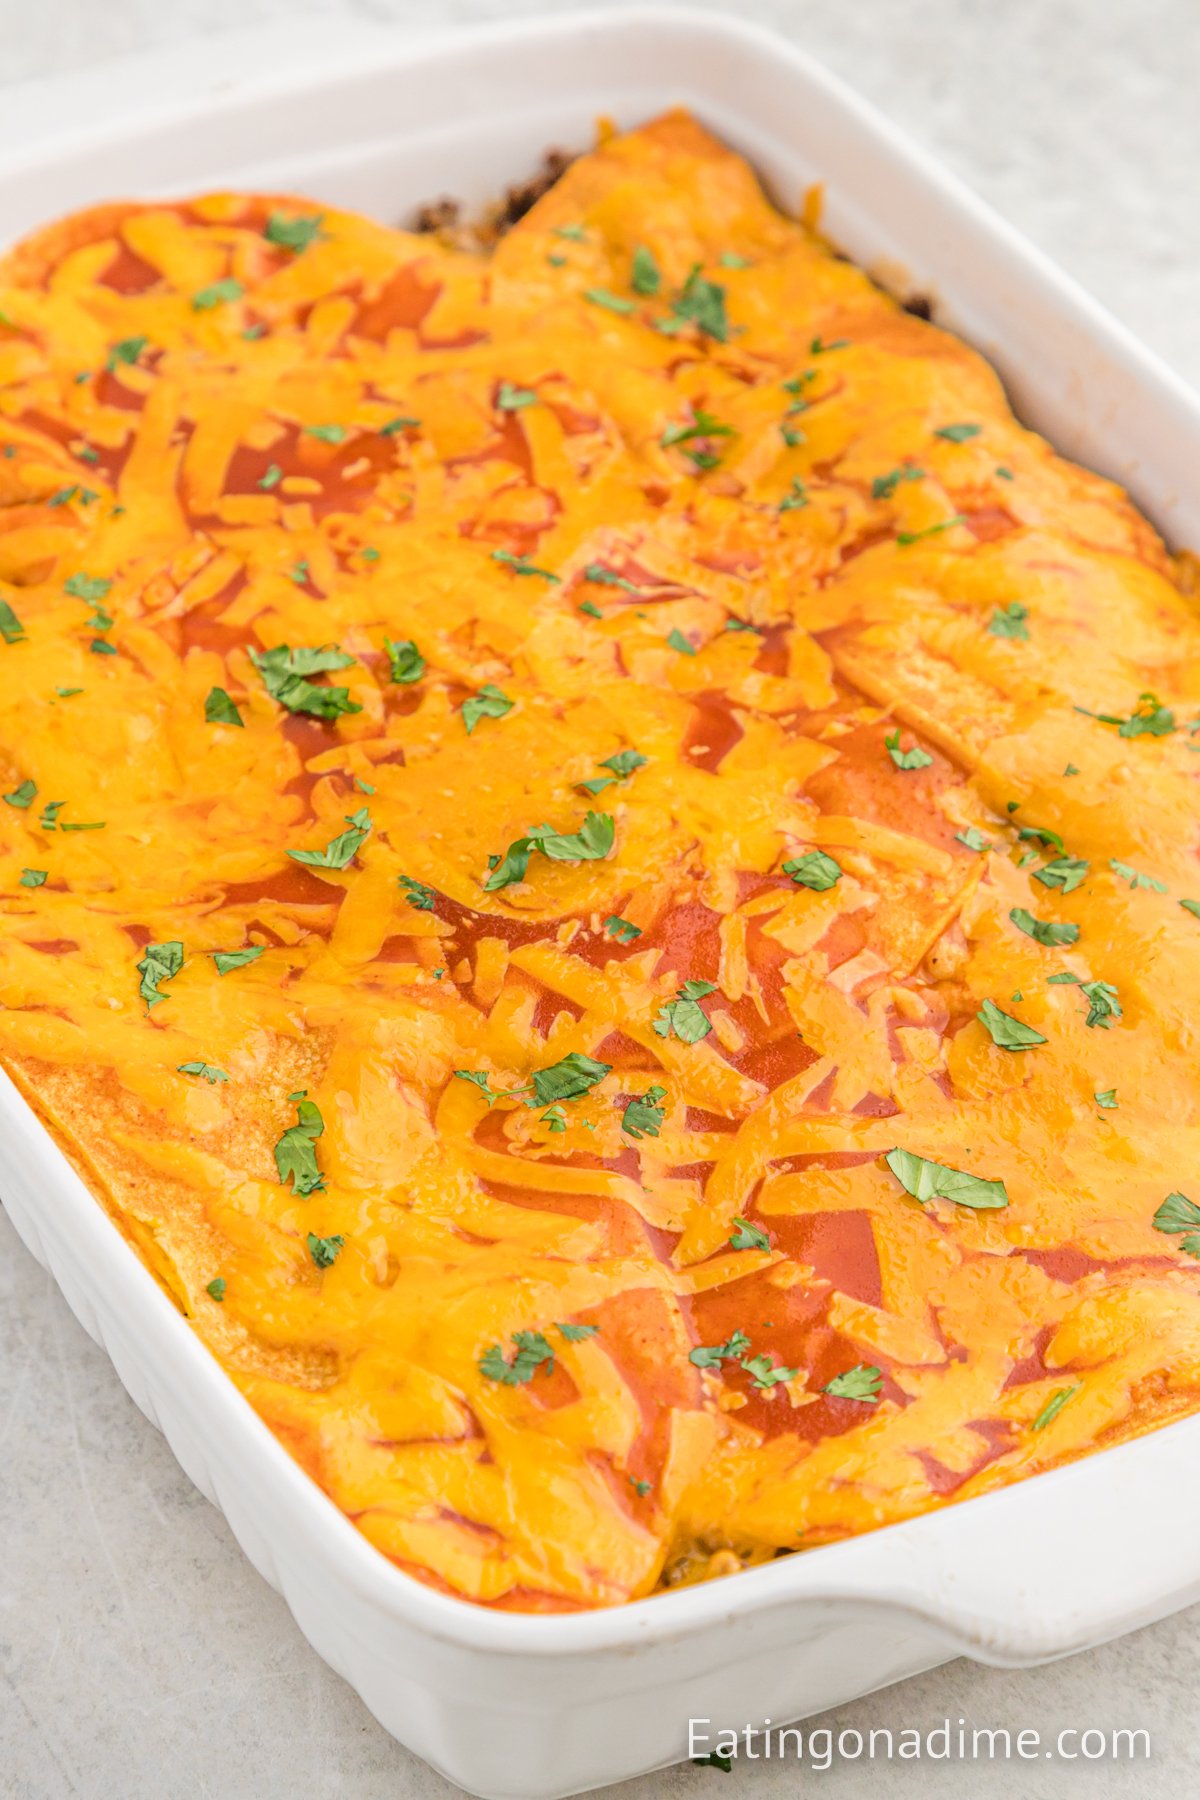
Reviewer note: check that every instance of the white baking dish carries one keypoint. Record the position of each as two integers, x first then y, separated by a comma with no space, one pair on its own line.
537,1707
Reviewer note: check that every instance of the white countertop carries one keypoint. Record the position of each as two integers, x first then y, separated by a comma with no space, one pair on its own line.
140,1655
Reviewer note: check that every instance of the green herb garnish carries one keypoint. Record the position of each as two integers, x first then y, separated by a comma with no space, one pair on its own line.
814,870
957,434
592,841
206,1071
1009,621
862,1382
1178,1214
324,1251
926,1180
1054,1406
1005,1031
532,1351
293,232
237,959
407,663
285,675
521,565
916,758
621,929
159,963
643,1116
1043,931
341,850
748,1237
684,1016
219,709
219,294
296,1153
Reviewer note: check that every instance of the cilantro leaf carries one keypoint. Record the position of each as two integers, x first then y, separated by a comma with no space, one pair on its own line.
767,1374
973,838
285,675
327,434
206,1071
957,434
576,1334
644,277
488,703
916,758
216,1289
644,1116
862,1382
219,709
1054,1406
324,1251
605,578
1192,906
748,1237
1107,1099
532,1351
482,1080
814,870
237,959
293,232
521,565
1178,1214
796,498
341,850
701,425
402,422
159,963
407,663
884,486
218,294
416,893
513,399
296,1154
1065,873
926,1180
567,1079
1148,719
621,929
1005,1031
91,588
609,301
1134,877
904,538
711,1356
702,303
1103,1005
590,843
126,351
22,795
1044,931
11,628
34,878
271,476
1009,621
684,1015
677,641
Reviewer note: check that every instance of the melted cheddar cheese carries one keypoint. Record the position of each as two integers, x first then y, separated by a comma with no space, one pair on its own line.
592,1204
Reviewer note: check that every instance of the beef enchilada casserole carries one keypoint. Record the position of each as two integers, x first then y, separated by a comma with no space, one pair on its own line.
599,867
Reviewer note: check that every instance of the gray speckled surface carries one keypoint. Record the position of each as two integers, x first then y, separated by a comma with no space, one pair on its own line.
139,1654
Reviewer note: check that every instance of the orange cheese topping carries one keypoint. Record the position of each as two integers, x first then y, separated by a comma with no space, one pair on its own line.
667,1278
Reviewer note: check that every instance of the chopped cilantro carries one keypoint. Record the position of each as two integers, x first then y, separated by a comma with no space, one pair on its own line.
926,1180
416,893
237,959
1009,621
407,663
341,850
1005,1031
521,565
217,1289
862,1382
610,302
296,1154
914,537
765,1373
91,588
1041,834
576,1334
702,303
592,841
1192,906
957,434
206,1071
884,486
324,1251
1107,1099
645,277
748,1237
677,641
1054,1406
916,758
159,963
1103,1005
271,476
218,294
1134,877
293,232
795,498
1065,873
574,233
513,399
482,1080
623,765
402,422
1148,719
98,647
1178,1214
621,929
973,838
285,675
729,259
684,1016
488,703
11,628
643,1117
1003,473
1043,931
591,609
567,1079
32,878
711,1356
604,577
640,1488
126,351
219,709
532,1351
814,870
328,434
22,795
